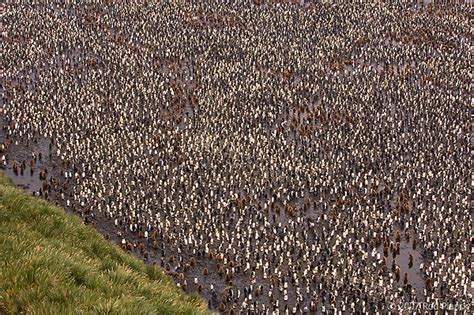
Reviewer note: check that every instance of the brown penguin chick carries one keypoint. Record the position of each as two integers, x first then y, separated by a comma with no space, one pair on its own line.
385,251
414,244
205,271
154,245
397,274
145,255
394,265
141,246
257,291
228,277
405,279
199,288
154,235
397,238
221,307
220,271
192,262
398,248
410,261
428,284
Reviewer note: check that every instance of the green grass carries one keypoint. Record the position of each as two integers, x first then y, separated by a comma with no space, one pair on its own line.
51,263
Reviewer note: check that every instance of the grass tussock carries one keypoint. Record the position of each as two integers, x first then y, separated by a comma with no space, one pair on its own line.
51,263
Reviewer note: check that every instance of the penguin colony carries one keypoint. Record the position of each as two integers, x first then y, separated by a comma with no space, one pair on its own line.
270,155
